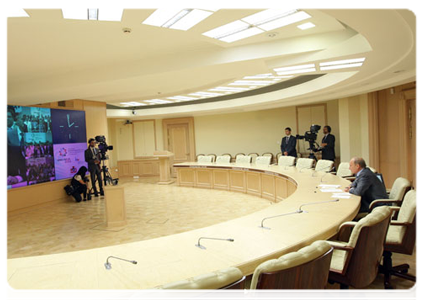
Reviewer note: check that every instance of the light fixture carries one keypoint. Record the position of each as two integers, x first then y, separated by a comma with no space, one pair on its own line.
102,14
285,20
16,13
158,101
206,94
228,89
296,69
335,67
176,18
181,98
226,30
305,26
241,35
341,64
133,103
251,82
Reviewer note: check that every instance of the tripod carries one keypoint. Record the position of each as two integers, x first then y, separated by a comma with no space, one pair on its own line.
107,177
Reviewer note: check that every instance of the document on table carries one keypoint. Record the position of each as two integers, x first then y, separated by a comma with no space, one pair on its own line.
341,195
331,190
329,186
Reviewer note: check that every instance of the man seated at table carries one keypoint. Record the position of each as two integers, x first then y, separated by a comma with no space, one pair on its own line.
366,184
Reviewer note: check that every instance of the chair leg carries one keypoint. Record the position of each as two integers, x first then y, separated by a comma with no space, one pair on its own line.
399,271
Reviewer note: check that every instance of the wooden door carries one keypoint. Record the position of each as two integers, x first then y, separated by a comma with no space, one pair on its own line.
411,140
179,138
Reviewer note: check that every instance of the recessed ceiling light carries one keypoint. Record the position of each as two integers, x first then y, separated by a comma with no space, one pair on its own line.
241,35
298,67
308,70
335,67
158,101
227,29
181,19
343,62
306,26
205,94
228,89
103,14
16,13
181,98
251,82
133,103
284,20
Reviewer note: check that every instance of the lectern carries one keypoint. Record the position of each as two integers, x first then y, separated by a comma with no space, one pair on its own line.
165,162
115,206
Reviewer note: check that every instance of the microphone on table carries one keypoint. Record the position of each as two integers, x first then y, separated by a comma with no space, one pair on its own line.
312,203
109,265
321,179
209,238
315,171
262,221
288,166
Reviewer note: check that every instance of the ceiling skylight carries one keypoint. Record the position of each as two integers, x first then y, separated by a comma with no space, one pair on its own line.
132,103
306,26
181,98
158,101
206,94
342,64
103,14
255,24
181,19
252,82
296,69
16,13
228,89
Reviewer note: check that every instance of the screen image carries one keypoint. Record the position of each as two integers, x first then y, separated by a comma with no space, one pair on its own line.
33,135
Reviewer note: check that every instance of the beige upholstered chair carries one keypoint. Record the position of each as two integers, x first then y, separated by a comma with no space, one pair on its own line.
307,268
242,159
253,156
324,165
223,159
199,155
226,284
304,163
401,238
227,154
355,262
269,155
212,155
205,159
263,160
344,170
239,154
286,161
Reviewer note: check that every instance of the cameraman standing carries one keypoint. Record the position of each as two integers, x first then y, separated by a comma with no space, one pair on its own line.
93,160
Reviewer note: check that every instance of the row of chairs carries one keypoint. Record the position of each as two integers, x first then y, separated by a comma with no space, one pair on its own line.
253,155
352,259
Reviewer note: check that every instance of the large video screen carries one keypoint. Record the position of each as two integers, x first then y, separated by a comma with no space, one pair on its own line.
43,144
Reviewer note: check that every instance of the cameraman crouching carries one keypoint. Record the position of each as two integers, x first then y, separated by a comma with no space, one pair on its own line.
93,160
79,185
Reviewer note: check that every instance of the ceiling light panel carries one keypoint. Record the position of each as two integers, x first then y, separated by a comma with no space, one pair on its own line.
158,101
110,14
335,67
181,19
252,82
228,89
241,35
284,69
75,13
226,30
93,14
305,26
206,94
181,98
308,70
16,13
343,62
132,103
284,21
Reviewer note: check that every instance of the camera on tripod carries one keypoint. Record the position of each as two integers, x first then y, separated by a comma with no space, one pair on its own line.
311,137
102,146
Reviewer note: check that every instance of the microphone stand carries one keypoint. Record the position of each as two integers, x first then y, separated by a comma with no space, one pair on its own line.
209,238
312,203
262,221
303,169
109,265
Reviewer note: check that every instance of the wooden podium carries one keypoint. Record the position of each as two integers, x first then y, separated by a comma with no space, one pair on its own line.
165,162
115,206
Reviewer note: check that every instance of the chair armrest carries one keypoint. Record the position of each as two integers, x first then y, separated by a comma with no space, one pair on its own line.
348,249
396,223
344,231
382,201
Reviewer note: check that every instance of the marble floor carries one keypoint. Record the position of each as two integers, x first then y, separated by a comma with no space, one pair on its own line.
152,211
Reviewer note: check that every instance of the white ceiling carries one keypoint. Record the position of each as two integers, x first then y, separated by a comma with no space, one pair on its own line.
52,59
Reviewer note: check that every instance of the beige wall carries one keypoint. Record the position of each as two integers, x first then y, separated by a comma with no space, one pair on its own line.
24,197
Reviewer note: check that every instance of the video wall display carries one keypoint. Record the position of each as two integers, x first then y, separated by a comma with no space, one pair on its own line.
43,144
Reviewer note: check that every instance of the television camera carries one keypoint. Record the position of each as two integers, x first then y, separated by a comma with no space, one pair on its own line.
103,147
311,137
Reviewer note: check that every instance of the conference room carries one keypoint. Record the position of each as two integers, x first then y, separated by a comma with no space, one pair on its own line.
216,149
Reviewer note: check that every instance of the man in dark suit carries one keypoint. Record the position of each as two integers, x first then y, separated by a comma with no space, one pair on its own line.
328,144
289,144
92,158
366,184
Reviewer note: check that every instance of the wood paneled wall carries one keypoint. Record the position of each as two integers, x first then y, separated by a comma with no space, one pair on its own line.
96,124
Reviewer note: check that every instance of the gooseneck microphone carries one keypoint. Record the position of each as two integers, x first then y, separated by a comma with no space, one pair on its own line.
303,169
209,238
109,265
262,221
321,179
300,210
315,171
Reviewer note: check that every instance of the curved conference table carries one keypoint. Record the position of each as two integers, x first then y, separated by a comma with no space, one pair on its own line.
175,257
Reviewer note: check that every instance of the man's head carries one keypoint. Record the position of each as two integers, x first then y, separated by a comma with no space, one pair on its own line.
327,129
9,117
91,142
288,131
357,164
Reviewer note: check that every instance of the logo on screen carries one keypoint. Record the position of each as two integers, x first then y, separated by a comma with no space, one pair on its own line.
63,152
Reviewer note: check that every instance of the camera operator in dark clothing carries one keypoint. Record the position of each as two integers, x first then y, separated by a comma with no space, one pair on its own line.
92,158
79,184
328,144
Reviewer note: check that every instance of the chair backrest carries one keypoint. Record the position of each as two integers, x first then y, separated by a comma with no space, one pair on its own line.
199,155
304,163
239,154
372,169
399,188
223,159
253,156
205,159
263,160
242,159
268,154
324,165
286,161
401,238
213,157
226,284
367,238
227,154
344,170
307,268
